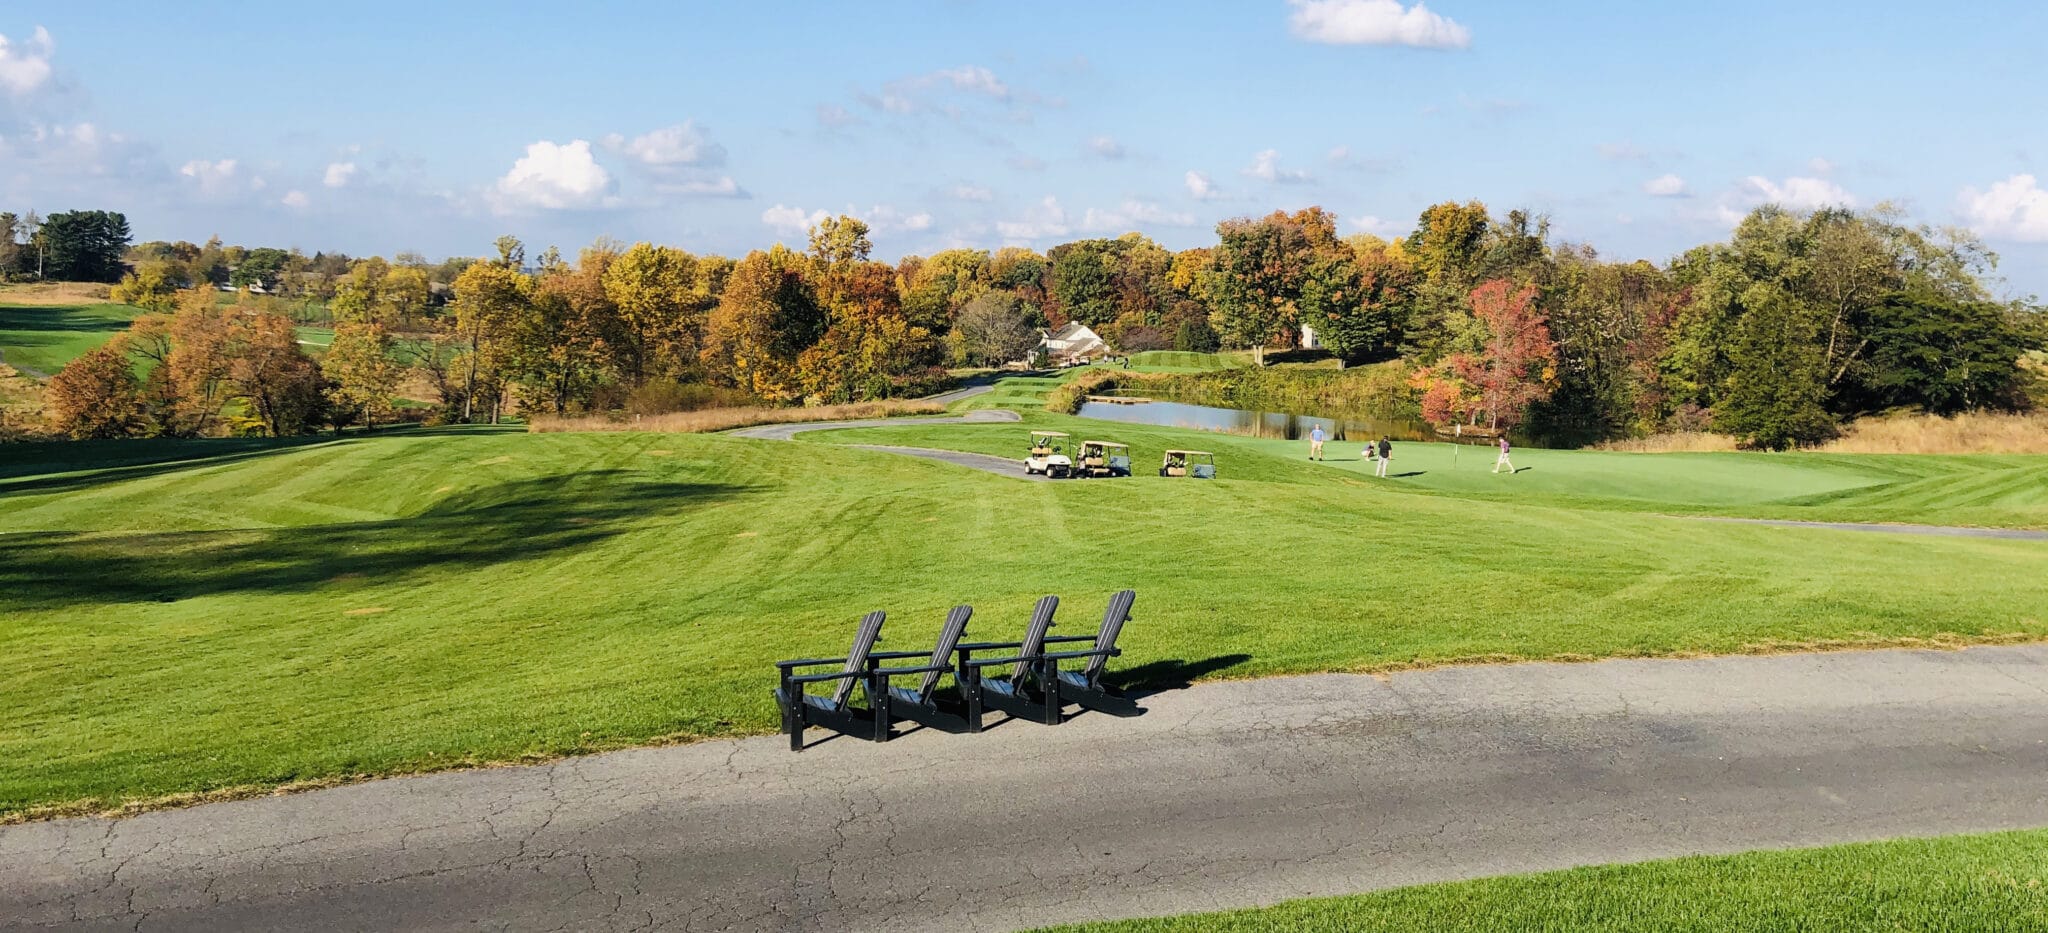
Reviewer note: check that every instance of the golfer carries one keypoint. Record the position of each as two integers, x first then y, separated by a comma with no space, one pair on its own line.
1503,461
1386,454
1315,443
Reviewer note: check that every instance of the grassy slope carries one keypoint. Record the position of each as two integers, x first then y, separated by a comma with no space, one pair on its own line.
258,614
1178,361
1990,882
42,338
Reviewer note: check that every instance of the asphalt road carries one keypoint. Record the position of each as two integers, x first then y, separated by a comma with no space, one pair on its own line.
1223,795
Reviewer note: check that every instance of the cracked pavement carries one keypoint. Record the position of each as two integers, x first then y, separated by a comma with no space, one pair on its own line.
1224,795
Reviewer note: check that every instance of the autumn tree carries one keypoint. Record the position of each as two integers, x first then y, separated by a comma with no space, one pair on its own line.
95,396
992,330
661,307
1260,268
280,383
153,287
1519,363
767,317
490,300
361,376
840,240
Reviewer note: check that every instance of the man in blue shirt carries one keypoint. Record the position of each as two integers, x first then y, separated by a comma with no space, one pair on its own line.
1315,443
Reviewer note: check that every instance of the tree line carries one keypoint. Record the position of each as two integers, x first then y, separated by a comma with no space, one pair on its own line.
1797,323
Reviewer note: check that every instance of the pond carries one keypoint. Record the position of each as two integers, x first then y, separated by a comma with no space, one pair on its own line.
1253,423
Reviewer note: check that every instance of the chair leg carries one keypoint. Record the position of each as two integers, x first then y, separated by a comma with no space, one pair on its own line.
969,679
878,702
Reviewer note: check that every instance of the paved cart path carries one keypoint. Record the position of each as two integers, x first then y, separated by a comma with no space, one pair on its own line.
1222,795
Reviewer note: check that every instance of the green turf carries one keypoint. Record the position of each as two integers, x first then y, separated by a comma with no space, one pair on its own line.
1996,882
1177,361
40,339
187,616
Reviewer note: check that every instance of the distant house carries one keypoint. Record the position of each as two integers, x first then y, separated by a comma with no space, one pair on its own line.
1308,338
1072,342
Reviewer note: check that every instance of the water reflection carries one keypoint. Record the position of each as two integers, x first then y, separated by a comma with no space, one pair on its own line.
1254,423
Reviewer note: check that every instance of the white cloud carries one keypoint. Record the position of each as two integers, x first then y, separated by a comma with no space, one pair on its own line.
338,174
833,116
2013,209
1200,187
1375,22
1266,167
213,178
1132,214
1044,219
972,193
1665,186
973,79
294,199
1106,147
554,176
880,218
25,66
1384,229
1797,194
722,186
1821,166
672,146
793,220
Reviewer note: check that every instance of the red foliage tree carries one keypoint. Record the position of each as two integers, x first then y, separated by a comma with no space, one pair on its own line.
1519,362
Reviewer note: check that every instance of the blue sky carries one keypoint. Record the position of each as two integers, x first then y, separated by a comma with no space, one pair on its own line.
1641,128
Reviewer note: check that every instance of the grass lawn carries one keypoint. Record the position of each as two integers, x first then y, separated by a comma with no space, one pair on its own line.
40,339
1995,882
187,617
1178,361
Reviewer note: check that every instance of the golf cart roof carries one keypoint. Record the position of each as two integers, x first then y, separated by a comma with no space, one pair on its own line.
1107,444
1190,453
1050,434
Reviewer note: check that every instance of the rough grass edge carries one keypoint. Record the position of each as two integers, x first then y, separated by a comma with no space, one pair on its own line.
725,419
138,806
1981,432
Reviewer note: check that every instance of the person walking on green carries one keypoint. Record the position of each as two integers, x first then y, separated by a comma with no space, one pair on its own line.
1315,443
1386,455
1503,461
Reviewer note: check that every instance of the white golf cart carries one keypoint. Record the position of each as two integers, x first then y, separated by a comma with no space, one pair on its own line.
1049,455
1198,464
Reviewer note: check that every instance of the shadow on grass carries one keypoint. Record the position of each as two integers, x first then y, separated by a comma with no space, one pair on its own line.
1408,474
508,522
1175,674
72,318
62,466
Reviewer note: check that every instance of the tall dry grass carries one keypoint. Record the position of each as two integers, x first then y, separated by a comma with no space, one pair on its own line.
724,419
1973,433
52,293
1679,442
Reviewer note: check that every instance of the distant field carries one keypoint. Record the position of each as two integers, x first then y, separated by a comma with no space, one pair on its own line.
1994,882
39,339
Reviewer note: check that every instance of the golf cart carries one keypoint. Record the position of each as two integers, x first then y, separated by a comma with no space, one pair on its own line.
1104,458
1049,455
1199,464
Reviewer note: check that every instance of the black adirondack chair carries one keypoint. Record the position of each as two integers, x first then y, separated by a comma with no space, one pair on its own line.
801,709
1085,686
923,704
1029,691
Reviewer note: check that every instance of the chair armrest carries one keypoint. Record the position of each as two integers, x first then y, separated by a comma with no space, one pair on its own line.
1049,639
823,678
899,671
1099,652
897,655
985,645
809,662
978,663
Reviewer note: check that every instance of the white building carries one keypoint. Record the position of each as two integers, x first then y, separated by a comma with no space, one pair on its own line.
1073,341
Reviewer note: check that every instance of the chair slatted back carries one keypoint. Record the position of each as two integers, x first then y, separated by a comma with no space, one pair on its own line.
857,657
949,636
1034,637
1112,625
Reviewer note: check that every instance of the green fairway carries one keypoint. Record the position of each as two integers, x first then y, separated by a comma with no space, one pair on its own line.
191,616
1177,361
40,339
1996,882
